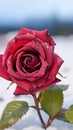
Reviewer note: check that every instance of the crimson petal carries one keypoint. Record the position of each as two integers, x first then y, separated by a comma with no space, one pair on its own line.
24,84
3,72
24,31
56,65
15,44
46,86
45,36
20,91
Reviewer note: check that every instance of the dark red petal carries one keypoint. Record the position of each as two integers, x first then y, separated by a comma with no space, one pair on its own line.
11,70
24,31
45,86
34,75
3,72
56,66
51,73
49,51
24,84
20,91
15,44
39,73
36,46
45,36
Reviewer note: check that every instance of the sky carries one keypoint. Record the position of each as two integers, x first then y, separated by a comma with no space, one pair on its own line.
17,10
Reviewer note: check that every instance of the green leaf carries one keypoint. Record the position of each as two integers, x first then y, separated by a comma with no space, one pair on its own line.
69,114
52,100
12,113
62,117
62,87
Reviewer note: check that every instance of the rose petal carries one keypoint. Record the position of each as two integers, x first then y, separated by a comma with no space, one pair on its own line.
45,36
15,44
24,31
20,91
21,41
50,83
24,84
49,51
11,70
37,46
56,65
3,72
50,74
34,75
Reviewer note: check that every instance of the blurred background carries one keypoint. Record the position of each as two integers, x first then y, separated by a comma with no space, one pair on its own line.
56,15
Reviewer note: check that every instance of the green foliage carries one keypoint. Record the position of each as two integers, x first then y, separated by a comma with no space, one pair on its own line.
52,100
12,113
62,87
62,117
69,114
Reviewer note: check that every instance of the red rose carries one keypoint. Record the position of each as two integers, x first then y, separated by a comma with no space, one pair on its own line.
29,61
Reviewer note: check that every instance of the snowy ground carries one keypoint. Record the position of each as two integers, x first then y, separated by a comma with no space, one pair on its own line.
64,47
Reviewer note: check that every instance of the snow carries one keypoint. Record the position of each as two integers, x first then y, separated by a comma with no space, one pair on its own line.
64,47
39,128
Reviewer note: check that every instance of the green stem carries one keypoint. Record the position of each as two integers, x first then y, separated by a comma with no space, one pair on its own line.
38,110
50,120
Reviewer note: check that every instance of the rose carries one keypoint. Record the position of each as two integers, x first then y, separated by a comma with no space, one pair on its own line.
29,61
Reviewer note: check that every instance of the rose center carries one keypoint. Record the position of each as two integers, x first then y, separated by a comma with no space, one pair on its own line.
30,62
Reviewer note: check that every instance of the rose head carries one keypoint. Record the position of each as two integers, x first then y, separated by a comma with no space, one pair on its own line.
29,61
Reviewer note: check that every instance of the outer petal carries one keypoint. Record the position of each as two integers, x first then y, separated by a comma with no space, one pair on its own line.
56,65
45,86
50,74
15,44
24,84
49,52
20,91
43,35
3,72
24,31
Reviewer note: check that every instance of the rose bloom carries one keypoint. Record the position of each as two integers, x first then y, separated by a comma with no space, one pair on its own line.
29,61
